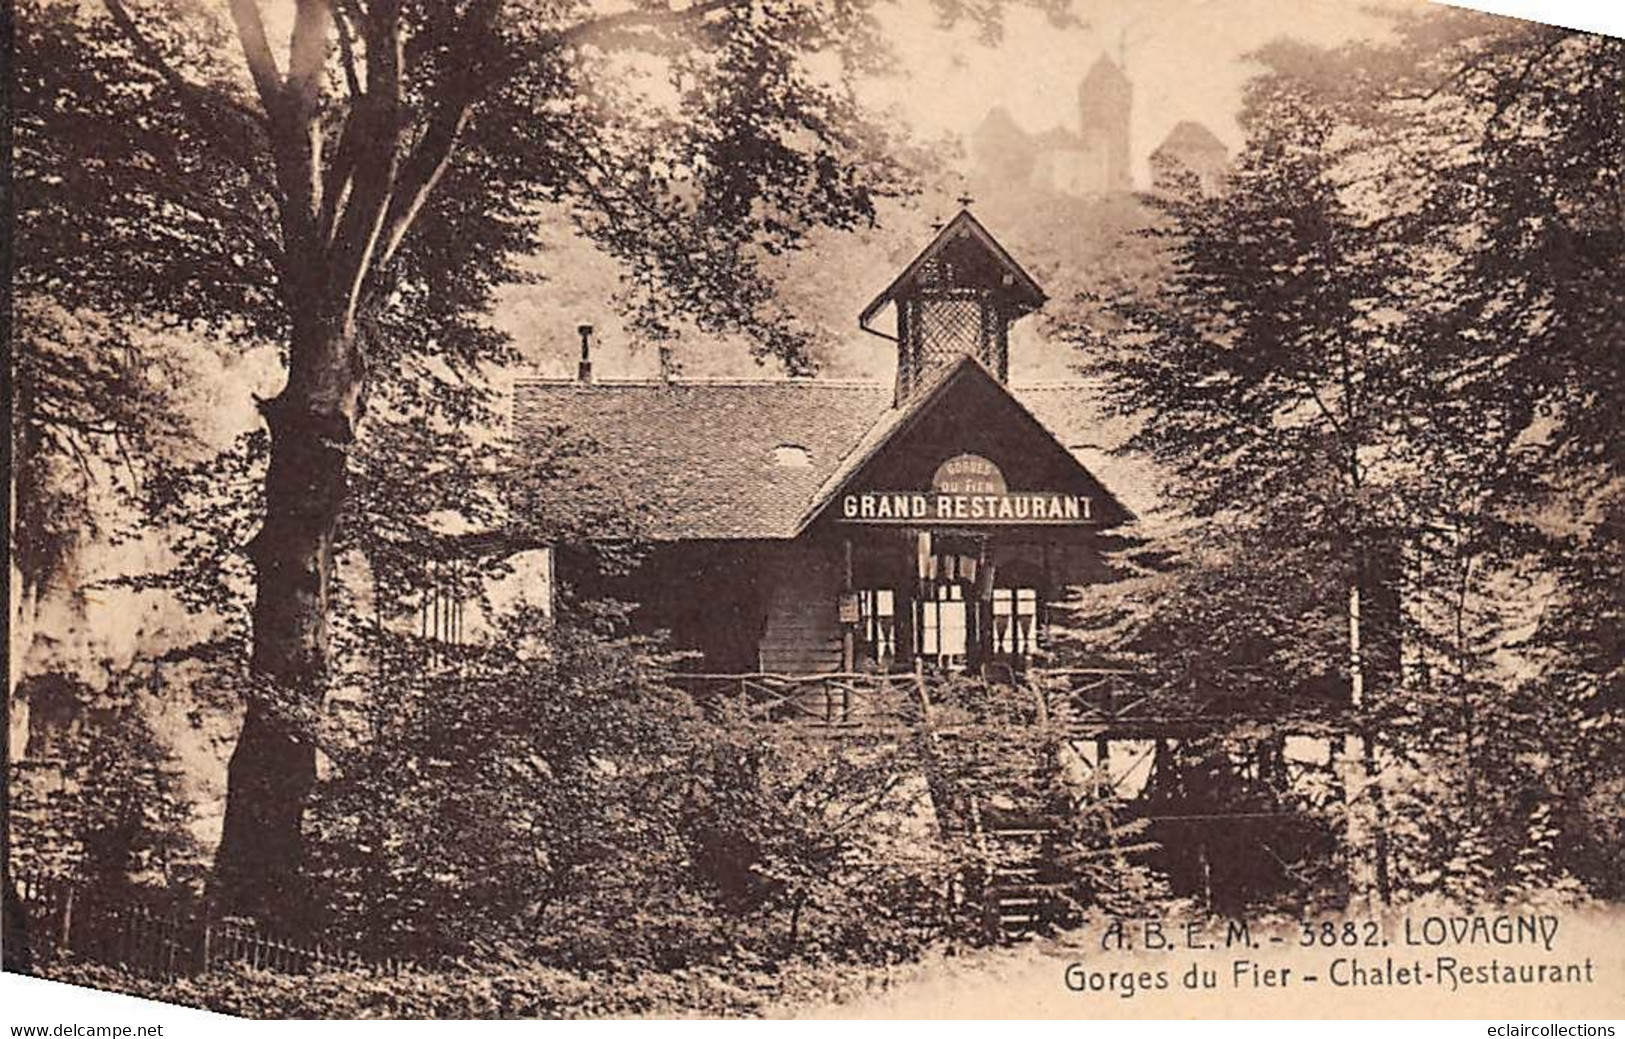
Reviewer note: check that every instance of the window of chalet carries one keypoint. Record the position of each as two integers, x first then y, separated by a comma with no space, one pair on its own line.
944,626
877,627
442,612
1015,623
441,616
948,569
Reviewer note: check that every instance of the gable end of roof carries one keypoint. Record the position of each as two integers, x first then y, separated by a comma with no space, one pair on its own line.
1025,288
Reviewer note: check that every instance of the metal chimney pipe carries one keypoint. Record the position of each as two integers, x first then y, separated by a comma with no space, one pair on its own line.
584,369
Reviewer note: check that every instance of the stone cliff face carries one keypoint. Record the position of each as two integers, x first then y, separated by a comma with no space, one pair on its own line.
80,643
76,641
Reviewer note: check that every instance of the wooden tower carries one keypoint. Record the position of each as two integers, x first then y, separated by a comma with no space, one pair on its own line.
959,296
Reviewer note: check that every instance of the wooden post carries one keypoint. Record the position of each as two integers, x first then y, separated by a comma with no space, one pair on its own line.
1207,873
1367,844
849,631
982,610
1046,593
67,919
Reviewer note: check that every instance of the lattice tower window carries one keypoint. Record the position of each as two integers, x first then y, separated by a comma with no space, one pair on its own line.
949,328
995,342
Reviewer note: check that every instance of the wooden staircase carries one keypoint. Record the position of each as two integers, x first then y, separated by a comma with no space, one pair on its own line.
992,789
1018,893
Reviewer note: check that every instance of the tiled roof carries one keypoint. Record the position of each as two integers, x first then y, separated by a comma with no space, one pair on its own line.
885,424
705,455
716,459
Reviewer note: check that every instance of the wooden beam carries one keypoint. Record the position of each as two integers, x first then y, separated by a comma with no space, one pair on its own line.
849,631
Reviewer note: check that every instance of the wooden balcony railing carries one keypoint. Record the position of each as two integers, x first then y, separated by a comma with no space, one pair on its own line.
1090,701
821,701
1129,703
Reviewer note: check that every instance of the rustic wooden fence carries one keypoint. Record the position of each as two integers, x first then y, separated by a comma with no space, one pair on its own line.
65,920
829,703
1100,700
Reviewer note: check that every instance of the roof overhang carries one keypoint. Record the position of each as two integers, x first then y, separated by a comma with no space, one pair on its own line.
1020,288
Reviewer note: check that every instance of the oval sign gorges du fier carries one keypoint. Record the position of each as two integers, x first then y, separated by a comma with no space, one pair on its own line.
968,474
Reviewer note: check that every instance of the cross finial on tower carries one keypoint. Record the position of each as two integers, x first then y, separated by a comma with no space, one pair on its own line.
965,200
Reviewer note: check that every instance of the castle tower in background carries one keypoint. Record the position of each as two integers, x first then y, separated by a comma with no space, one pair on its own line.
1105,102
1095,159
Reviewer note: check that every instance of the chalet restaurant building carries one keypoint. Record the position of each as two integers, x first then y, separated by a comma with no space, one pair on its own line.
801,527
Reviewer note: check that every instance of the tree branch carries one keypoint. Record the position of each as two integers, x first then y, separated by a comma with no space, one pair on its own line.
1511,93
423,169
308,46
600,30
257,52
203,104
341,14
338,181
373,156
422,172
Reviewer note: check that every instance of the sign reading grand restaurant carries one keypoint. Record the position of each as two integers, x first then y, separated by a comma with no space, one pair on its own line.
966,489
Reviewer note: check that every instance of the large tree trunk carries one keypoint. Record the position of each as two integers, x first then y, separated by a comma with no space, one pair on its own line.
272,770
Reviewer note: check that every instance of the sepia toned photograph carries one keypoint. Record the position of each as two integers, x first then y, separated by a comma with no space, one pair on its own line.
862,509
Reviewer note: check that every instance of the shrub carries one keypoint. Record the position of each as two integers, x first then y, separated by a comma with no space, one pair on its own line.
100,801
568,805
513,991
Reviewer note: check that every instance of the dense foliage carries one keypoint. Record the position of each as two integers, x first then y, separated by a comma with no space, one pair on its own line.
526,992
1382,368
569,807
353,184
1383,372
101,803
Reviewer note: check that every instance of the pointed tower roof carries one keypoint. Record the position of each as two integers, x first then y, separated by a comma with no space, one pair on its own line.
1191,136
1016,285
1104,73
998,121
